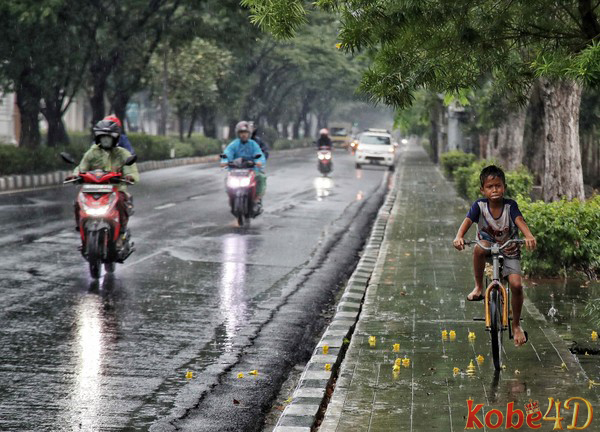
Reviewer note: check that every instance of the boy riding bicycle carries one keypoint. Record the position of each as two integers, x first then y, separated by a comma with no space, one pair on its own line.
498,220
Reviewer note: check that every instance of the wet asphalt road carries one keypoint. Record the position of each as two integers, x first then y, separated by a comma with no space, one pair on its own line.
198,295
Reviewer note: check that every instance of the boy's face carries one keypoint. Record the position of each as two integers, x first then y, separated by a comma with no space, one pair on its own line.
493,188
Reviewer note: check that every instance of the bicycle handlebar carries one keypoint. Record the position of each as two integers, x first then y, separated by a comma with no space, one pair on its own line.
489,248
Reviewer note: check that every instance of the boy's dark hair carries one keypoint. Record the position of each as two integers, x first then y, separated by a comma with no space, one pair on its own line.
492,171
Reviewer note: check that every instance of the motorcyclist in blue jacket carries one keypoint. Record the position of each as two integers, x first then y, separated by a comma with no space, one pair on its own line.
246,148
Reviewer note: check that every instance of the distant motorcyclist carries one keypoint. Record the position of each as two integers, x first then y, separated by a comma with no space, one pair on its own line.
263,145
123,140
324,141
246,148
105,155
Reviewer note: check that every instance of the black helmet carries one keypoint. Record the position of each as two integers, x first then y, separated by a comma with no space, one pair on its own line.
107,127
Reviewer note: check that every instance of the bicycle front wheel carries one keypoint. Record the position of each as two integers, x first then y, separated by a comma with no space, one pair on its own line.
496,328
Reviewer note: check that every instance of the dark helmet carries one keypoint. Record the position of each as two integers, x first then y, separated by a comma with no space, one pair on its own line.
242,126
107,127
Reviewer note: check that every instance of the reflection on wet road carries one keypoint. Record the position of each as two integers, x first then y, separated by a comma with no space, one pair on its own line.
113,354
233,282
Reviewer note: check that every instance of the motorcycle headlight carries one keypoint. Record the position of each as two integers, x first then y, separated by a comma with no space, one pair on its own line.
327,156
97,211
321,156
236,182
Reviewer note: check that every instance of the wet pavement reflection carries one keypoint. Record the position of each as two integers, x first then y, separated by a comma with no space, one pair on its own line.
443,357
113,354
323,186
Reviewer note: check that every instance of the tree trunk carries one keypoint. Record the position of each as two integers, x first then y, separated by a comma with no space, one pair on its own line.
483,143
209,123
97,97
164,97
119,107
181,126
57,133
434,122
562,162
28,101
534,140
193,119
232,134
508,149
296,129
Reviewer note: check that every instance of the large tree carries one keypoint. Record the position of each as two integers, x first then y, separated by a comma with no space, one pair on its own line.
445,46
41,61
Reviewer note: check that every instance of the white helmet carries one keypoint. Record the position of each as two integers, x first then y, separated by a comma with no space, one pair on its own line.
242,126
324,131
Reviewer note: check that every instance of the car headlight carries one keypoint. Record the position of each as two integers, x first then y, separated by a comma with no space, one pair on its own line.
391,149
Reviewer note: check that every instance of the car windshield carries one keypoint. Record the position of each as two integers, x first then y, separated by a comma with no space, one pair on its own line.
375,139
338,131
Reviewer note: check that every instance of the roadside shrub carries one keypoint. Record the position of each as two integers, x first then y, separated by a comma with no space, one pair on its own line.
152,147
454,159
204,146
518,182
16,160
567,234
283,144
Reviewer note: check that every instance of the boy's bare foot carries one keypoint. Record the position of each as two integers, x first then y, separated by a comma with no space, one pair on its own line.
475,295
519,336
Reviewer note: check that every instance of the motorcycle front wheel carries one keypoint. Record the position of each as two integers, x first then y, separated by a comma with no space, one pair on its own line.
94,253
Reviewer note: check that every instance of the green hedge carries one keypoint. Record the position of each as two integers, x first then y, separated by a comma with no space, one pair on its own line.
283,144
15,160
567,234
455,159
518,182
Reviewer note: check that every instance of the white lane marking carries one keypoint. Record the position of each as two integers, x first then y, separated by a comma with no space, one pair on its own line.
165,206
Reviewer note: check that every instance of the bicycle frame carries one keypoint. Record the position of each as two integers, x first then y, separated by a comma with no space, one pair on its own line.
496,283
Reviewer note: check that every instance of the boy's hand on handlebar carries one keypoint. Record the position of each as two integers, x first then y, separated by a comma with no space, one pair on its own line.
258,164
459,243
530,243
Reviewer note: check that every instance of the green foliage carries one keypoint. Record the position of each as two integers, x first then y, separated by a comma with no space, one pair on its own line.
195,73
284,144
567,234
447,46
282,17
454,159
468,184
18,160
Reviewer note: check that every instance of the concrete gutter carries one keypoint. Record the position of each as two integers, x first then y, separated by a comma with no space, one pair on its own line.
312,394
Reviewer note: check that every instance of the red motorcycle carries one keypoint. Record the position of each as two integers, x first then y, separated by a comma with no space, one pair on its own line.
102,239
241,189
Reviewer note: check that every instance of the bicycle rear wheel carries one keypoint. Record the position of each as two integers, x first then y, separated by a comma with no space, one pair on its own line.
496,328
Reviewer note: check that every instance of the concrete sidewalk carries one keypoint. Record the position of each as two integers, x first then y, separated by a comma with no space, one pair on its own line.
421,292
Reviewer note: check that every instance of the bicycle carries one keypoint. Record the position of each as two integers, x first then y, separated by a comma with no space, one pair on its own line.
497,300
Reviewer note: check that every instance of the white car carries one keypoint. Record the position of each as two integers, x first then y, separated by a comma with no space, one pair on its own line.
375,148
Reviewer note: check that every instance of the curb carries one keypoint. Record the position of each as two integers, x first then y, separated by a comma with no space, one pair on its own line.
311,394
23,182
